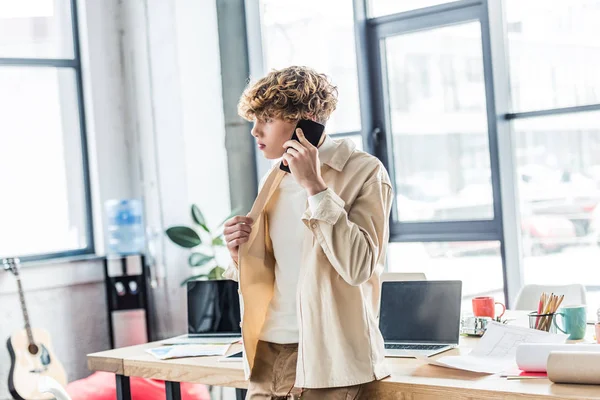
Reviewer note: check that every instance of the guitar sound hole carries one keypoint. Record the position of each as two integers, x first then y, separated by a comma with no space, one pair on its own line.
33,349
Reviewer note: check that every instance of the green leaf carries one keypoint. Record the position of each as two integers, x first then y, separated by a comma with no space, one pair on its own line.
193,278
199,217
184,236
199,259
216,273
231,215
218,241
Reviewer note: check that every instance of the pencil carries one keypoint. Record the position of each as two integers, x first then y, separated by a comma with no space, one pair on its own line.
560,301
541,308
545,312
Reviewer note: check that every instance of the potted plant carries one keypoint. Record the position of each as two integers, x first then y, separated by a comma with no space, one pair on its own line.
215,299
205,244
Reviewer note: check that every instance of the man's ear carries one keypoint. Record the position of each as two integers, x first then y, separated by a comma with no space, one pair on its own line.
313,118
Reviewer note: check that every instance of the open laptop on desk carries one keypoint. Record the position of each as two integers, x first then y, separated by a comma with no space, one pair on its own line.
213,314
420,318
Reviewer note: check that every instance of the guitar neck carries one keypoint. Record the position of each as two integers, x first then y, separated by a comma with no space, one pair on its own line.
24,309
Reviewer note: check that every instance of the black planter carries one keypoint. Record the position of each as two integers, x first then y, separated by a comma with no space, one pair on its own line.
213,306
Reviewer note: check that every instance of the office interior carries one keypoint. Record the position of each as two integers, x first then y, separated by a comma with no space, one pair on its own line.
486,114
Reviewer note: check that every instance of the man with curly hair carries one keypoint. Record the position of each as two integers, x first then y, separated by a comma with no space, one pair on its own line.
309,255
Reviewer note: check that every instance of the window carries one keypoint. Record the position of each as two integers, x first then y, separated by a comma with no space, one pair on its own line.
554,53
434,105
45,205
437,106
554,56
379,8
559,184
436,74
320,35
36,29
477,264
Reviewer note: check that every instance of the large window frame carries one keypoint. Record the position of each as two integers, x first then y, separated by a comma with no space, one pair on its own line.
504,227
371,32
74,64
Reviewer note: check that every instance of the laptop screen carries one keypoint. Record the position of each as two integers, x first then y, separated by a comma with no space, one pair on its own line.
420,311
213,307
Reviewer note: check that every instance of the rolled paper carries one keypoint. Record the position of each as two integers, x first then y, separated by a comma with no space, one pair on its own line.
574,367
533,357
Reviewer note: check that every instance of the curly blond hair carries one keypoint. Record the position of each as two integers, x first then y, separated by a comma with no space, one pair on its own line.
291,94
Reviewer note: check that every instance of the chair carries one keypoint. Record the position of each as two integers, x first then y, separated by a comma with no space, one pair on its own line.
47,384
529,296
402,276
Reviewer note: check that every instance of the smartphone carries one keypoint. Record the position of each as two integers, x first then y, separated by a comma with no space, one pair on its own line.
312,131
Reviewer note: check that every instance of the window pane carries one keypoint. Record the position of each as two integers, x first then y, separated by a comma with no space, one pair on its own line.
36,29
439,126
558,162
379,8
477,264
320,35
42,208
554,53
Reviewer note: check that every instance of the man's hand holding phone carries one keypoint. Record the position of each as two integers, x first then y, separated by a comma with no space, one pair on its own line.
237,231
303,160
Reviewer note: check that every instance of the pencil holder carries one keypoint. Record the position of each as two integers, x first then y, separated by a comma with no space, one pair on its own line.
542,322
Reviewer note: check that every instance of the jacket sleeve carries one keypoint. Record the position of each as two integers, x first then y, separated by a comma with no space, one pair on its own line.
353,240
232,272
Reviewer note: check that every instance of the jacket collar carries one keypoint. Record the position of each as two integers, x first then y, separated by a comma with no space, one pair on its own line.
341,150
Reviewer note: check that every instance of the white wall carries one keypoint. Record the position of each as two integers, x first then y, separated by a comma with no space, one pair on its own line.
201,94
173,84
155,125
201,101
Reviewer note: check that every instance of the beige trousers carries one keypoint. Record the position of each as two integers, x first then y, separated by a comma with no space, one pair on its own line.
274,374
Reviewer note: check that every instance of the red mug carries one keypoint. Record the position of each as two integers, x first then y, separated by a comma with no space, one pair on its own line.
486,307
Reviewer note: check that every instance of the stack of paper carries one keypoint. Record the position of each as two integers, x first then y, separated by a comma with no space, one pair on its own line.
497,349
193,350
517,374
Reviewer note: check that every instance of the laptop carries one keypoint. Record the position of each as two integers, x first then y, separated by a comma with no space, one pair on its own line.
420,318
213,314
403,276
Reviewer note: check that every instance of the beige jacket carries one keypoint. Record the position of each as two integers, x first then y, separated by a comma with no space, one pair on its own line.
338,292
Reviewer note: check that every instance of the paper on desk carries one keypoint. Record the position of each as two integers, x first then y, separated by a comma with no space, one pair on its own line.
187,340
497,349
194,350
484,365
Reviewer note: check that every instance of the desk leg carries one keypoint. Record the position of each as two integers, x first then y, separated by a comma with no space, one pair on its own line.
240,394
173,390
123,388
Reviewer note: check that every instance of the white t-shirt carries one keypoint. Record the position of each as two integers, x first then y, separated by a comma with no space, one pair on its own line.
287,233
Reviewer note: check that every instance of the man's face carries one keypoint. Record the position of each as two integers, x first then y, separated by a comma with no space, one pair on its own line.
270,136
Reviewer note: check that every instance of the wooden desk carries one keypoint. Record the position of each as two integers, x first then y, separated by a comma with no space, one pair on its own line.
411,379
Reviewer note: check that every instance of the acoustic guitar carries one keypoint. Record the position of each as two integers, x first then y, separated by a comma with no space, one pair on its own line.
31,352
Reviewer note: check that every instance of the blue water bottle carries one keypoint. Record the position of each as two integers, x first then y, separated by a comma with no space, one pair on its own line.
125,227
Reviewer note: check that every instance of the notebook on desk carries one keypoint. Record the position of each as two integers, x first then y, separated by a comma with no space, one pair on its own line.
420,318
213,315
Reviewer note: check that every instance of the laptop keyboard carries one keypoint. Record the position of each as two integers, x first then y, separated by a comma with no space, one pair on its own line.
414,346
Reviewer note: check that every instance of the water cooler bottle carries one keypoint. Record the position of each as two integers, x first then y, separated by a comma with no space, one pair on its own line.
126,277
